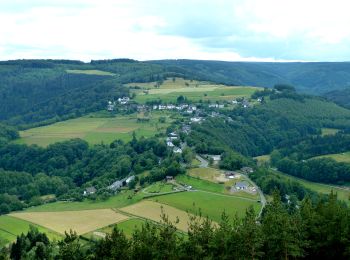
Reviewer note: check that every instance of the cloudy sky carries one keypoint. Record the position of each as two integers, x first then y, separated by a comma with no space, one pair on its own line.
259,30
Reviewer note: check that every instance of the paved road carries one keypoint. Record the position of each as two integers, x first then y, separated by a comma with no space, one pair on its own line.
261,194
204,163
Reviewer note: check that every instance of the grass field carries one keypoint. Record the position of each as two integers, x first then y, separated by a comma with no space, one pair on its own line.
120,200
95,130
159,187
79,221
192,90
200,184
343,194
329,131
152,210
11,227
339,157
211,205
91,72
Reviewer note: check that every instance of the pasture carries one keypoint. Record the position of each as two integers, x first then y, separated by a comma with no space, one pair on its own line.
195,91
342,192
122,199
91,72
152,210
210,204
339,157
79,221
329,131
10,227
95,130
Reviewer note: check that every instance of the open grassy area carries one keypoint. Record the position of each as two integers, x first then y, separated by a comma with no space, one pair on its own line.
211,205
343,193
329,131
192,90
159,187
10,227
339,157
79,221
91,72
152,210
120,200
200,184
96,129
209,174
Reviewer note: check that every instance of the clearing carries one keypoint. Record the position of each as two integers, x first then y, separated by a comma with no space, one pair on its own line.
91,72
339,157
79,221
96,129
193,90
329,131
153,210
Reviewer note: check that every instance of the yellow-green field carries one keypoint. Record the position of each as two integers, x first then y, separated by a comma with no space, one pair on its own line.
95,130
79,221
339,157
169,91
329,131
91,72
10,227
153,210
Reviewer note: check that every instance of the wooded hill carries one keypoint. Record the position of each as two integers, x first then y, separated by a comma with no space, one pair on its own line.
33,91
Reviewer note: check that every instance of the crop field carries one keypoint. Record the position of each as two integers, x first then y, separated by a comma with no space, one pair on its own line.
91,72
95,130
343,193
122,199
210,204
192,90
79,221
10,227
153,210
339,157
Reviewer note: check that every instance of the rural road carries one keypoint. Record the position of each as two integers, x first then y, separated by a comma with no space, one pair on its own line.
262,196
204,163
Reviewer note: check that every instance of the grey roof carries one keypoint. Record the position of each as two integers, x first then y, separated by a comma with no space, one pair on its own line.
242,184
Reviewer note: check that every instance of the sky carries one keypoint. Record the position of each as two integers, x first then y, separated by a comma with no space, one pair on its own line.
231,30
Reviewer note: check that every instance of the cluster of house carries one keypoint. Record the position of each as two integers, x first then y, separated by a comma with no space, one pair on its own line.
216,106
169,142
123,100
121,183
183,107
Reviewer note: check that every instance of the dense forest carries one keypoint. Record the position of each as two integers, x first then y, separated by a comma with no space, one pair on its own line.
317,230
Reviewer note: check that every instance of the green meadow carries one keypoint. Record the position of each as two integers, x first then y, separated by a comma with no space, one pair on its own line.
339,157
342,192
11,227
210,204
195,91
96,130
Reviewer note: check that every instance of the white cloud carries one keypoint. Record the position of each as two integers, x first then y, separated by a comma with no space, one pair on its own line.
93,29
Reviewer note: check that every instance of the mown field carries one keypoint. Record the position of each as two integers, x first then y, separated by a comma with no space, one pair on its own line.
343,193
10,227
79,221
210,204
195,91
95,130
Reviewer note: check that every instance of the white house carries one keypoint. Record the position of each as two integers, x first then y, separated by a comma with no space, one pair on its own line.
170,144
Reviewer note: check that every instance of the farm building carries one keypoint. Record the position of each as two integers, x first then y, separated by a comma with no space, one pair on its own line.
169,178
170,144
231,174
116,185
242,185
129,179
89,191
177,150
247,170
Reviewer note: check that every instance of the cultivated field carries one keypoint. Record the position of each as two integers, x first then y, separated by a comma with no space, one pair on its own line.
91,72
79,221
211,204
95,129
152,210
10,227
192,90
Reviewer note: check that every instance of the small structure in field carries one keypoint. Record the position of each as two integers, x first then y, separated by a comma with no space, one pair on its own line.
90,191
169,178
